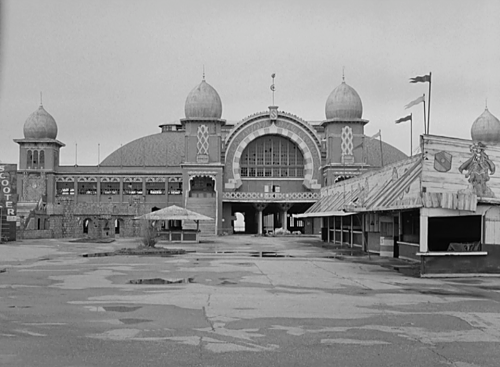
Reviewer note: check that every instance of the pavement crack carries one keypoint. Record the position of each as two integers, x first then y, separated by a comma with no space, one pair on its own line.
269,279
205,314
342,277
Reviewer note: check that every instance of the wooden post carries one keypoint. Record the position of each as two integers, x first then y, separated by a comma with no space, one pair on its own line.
352,234
424,232
429,106
341,231
327,229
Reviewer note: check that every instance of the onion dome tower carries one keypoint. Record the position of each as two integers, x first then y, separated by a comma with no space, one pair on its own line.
344,104
344,125
203,167
39,154
202,125
203,102
486,128
344,132
40,125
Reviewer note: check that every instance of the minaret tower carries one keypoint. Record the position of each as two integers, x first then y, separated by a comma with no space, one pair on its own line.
38,157
344,132
203,166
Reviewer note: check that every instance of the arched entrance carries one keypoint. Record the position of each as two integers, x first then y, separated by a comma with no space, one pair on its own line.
239,223
86,225
202,187
118,227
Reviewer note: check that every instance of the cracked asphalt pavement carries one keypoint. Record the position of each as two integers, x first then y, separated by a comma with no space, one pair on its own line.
236,301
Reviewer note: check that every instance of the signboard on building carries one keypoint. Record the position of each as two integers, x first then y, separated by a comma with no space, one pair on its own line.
8,201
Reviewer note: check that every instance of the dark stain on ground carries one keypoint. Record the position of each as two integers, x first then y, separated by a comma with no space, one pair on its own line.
161,281
267,254
19,306
140,252
121,308
490,287
133,321
465,281
227,282
447,293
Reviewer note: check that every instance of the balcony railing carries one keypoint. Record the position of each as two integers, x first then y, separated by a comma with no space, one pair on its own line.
271,196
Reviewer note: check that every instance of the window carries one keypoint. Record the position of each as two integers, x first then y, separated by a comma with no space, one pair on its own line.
87,188
132,188
42,159
65,188
175,188
461,233
111,188
272,156
155,188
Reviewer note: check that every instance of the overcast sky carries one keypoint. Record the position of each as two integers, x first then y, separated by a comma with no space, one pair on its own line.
112,71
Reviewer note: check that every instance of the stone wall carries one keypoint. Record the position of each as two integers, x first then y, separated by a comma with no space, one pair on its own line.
47,233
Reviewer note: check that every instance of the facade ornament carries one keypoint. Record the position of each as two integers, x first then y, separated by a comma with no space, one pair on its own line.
478,169
202,144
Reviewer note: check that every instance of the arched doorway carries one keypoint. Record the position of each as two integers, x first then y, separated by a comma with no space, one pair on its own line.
118,227
86,225
202,187
239,223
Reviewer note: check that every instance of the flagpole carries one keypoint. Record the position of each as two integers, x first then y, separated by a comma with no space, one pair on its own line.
429,105
411,135
381,152
425,124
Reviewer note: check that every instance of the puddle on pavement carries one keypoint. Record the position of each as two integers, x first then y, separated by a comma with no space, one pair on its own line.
442,292
121,308
161,281
267,254
19,306
133,321
227,282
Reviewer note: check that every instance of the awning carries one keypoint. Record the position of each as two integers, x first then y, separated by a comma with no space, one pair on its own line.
338,213
174,212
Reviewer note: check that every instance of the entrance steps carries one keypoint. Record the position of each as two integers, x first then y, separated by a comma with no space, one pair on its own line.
205,206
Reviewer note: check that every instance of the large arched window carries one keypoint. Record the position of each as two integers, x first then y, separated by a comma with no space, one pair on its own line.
272,156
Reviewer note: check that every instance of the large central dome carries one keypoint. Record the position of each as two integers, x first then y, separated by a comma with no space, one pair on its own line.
203,102
344,103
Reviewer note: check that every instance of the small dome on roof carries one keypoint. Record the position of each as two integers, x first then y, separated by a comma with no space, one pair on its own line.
40,125
344,103
486,128
203,102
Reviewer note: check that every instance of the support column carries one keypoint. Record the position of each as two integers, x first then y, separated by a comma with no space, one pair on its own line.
260,208
75,188
285,207
121,190
259,221
98,184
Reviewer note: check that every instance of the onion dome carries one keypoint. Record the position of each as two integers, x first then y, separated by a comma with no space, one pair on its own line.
203,102
486,128
344,103
40,125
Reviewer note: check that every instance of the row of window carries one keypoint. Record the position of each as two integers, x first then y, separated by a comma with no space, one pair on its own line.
35,159
272,156
272,172
90,188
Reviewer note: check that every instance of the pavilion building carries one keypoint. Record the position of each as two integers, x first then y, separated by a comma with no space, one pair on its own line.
268,167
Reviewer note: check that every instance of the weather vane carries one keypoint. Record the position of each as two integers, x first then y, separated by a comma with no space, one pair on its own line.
273,88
